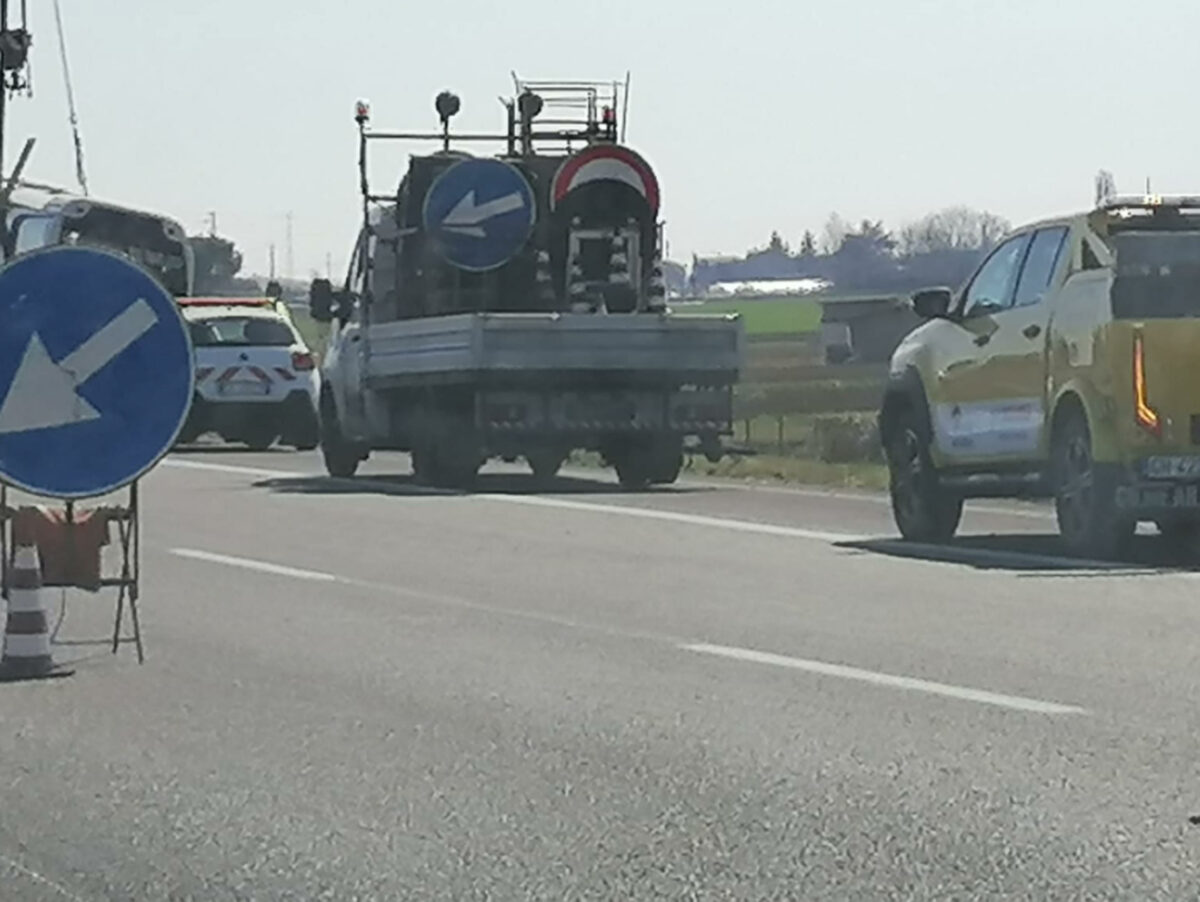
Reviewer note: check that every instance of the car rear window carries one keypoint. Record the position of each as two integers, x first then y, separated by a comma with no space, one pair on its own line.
1157,275
241,332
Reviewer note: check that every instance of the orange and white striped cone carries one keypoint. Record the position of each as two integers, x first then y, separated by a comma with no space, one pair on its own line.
26,654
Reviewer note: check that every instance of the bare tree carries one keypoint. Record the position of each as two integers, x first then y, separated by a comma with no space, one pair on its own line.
835,232
954,228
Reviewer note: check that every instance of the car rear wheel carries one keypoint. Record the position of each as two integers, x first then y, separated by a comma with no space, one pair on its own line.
1084,498
923,510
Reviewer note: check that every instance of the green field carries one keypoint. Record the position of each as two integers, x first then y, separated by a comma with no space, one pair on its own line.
765,315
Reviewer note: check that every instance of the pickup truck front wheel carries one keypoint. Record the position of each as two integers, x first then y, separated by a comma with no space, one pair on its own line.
922,509
341,457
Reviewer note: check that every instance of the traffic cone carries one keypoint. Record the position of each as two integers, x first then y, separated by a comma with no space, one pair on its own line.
26,654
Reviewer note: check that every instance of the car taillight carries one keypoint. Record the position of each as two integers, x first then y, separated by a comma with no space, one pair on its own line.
302,360
1145,415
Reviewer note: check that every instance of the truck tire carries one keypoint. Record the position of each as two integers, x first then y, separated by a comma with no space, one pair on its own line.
1182,537
261,438
445,465
666,461
632,472
649,462
922,509
1084,497
341,458
545,464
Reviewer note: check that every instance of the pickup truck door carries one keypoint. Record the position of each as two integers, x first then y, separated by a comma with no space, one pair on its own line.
1017,363
968,397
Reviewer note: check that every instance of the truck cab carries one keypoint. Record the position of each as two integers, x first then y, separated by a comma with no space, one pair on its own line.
1068,367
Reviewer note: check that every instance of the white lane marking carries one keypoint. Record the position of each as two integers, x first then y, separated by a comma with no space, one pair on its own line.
770,529
40,879
1014,702
230,468
250,564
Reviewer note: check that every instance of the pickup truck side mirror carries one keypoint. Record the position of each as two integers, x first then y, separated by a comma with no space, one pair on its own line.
932,303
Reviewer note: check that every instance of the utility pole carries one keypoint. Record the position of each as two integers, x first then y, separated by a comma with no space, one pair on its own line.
3,79
329,266
212,223
291,260
272,267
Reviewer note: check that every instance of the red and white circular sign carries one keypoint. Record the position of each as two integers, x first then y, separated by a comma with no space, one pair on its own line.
606,162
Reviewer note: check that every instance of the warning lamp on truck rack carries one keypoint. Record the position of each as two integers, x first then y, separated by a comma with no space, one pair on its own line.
1145,415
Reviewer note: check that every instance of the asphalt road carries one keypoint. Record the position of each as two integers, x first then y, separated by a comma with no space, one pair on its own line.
364,690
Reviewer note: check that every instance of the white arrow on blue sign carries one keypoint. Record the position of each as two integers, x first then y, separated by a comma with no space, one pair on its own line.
479,213
96,372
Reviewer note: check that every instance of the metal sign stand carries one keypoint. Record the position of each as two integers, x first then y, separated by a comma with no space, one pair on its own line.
127,582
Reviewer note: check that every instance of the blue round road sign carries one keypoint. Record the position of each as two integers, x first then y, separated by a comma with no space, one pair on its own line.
479,213
96,372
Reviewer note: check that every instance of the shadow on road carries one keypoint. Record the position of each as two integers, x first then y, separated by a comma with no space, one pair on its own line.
485,484
1035,554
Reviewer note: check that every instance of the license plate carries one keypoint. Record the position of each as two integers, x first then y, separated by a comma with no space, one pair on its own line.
1164,467
245,388
1167,496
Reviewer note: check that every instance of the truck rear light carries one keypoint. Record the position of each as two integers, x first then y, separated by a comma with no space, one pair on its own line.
302,361
1143,413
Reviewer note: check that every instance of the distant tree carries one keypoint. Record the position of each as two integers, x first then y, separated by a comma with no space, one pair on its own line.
952,229
808,244
834,234
218,261
777,244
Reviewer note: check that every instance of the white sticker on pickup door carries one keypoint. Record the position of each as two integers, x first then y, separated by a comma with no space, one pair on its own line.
988,428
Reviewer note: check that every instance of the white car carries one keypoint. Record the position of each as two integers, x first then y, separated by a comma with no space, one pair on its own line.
256,379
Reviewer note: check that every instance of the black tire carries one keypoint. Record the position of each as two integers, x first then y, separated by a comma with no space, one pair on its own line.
922,509
667,462
1084,497
341,458
1182,537
545,464
261,441
632,473
445,465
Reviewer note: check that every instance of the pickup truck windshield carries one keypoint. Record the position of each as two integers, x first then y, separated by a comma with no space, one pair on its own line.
1157,274
234,331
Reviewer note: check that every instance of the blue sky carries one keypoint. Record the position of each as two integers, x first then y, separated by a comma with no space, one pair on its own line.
757,115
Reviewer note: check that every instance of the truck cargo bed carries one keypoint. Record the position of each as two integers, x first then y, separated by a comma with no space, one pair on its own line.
690,347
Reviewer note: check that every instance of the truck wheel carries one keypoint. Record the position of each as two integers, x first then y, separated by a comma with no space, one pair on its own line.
1084,499
444,465
922,509
632,472
261,439
545,464
1181,536
341,458
666,462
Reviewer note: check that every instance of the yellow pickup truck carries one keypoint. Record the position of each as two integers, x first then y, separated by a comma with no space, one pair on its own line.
1068,366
